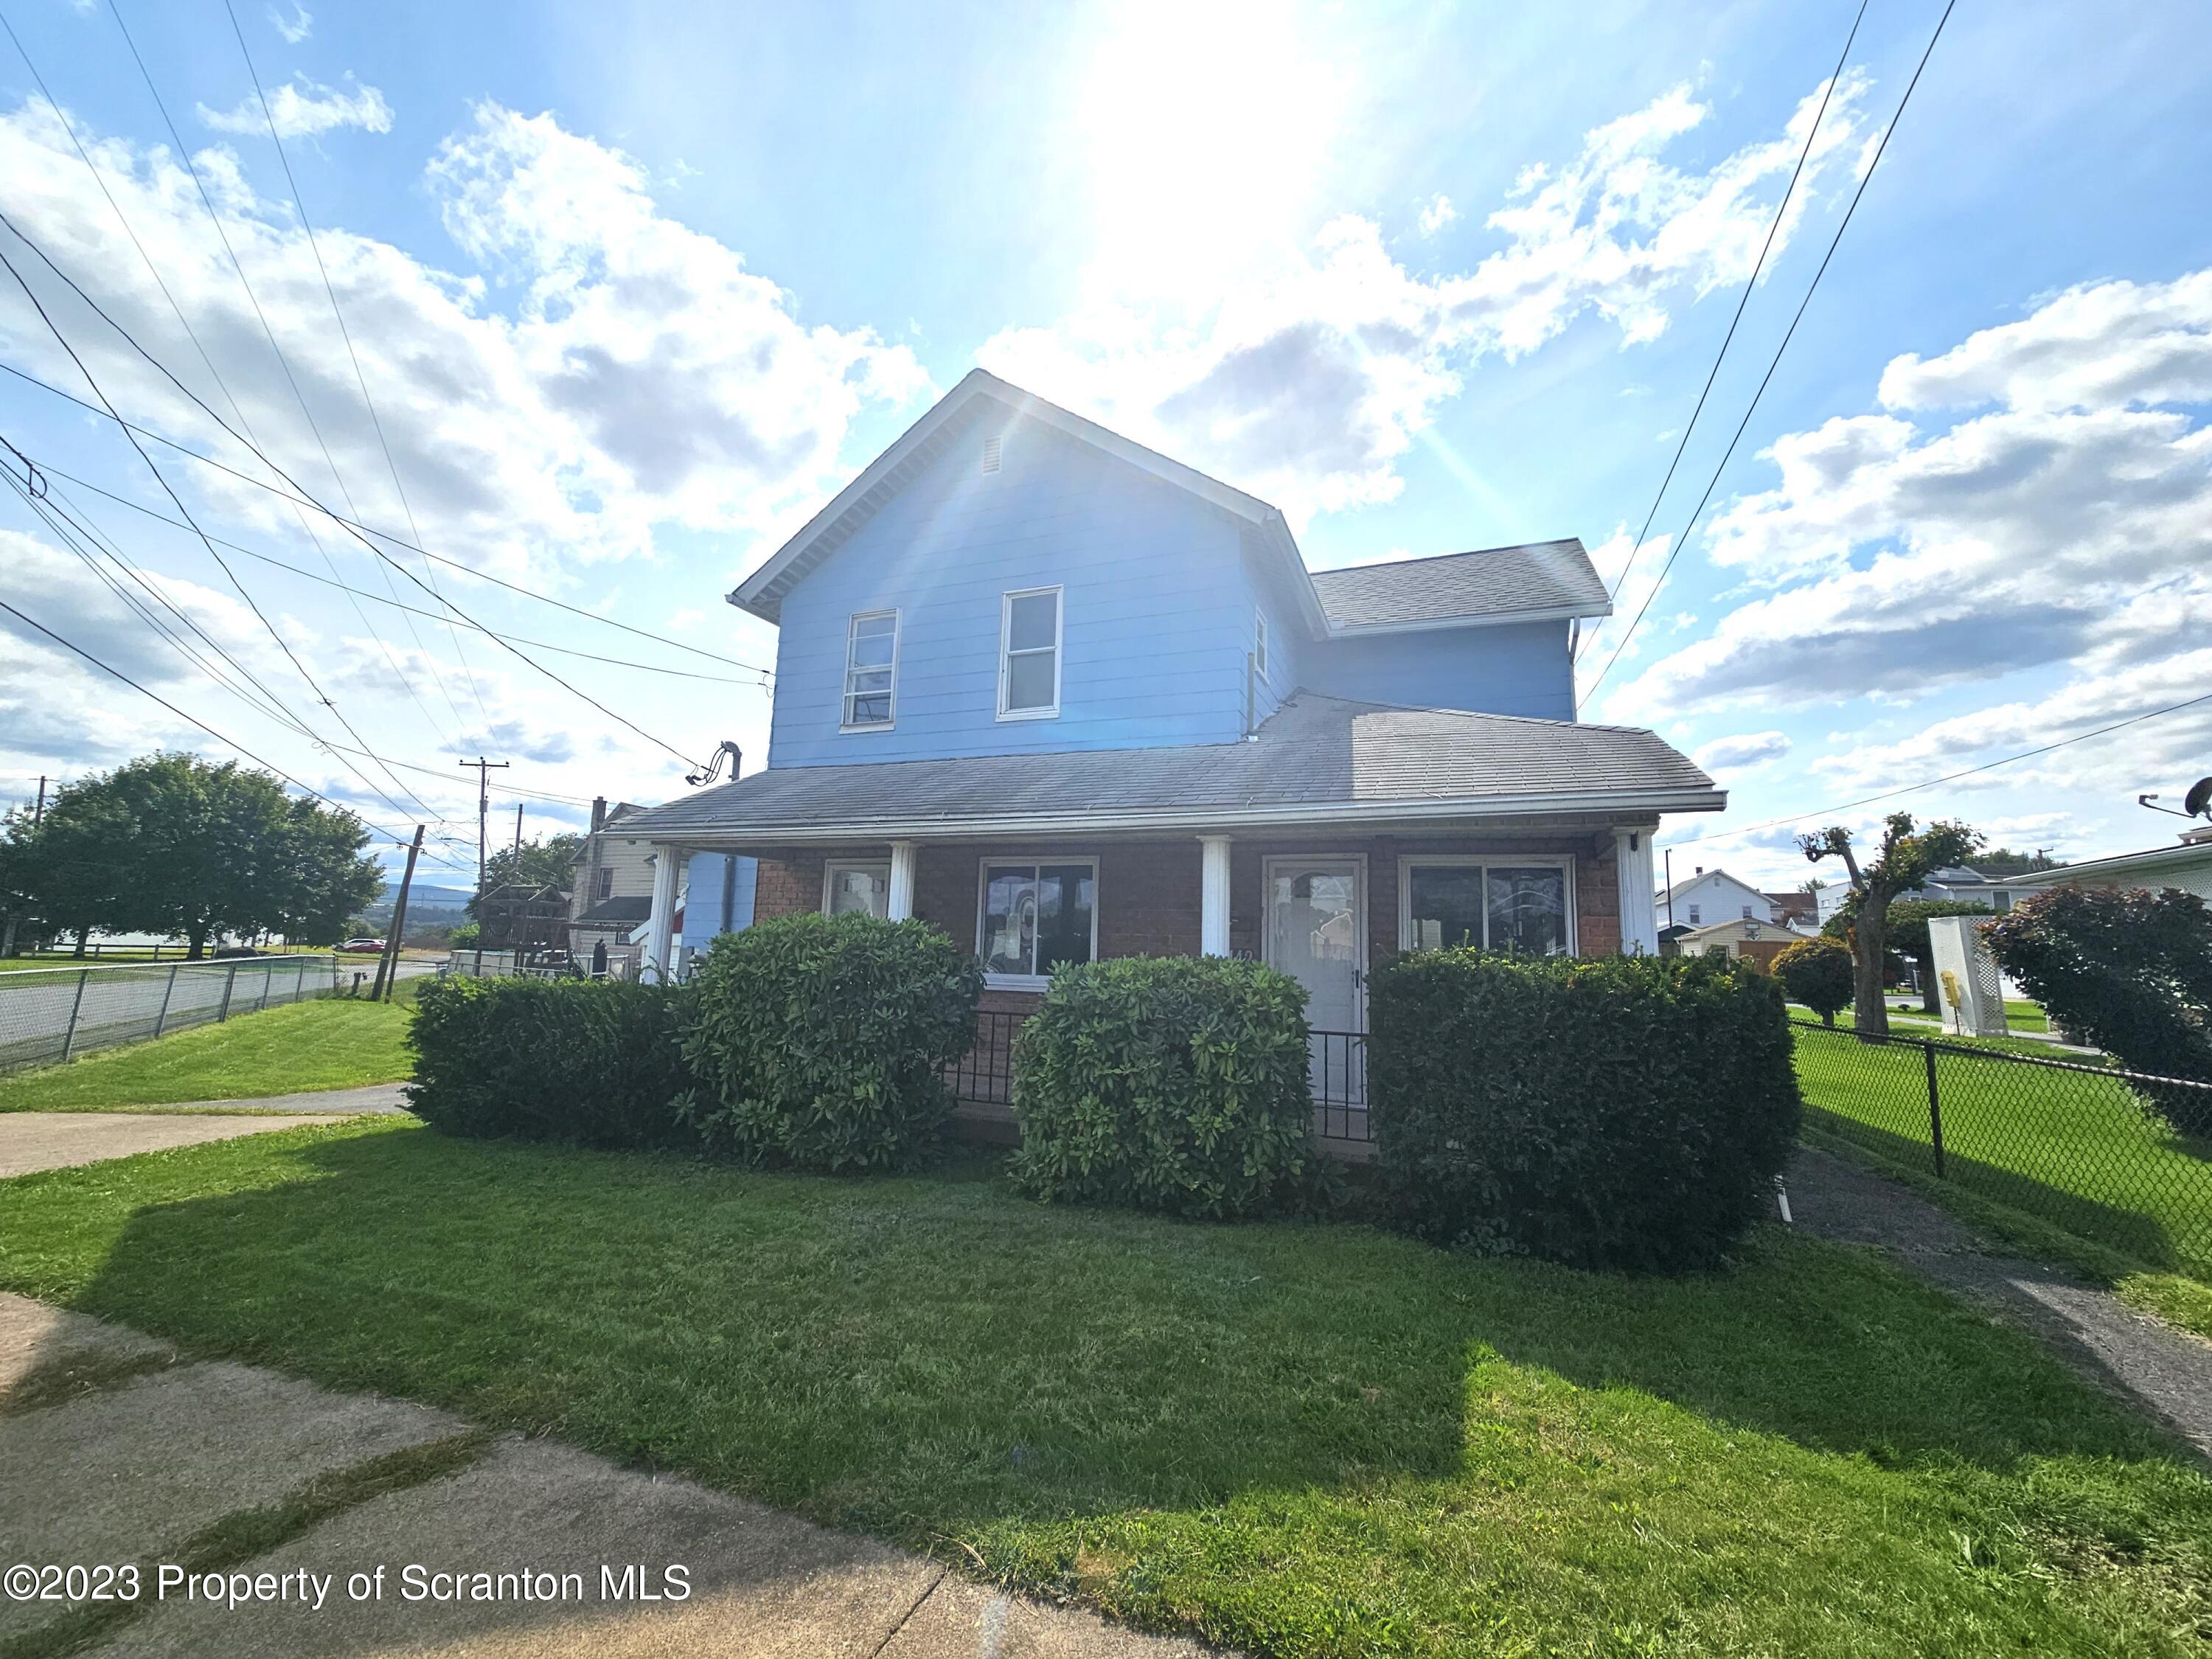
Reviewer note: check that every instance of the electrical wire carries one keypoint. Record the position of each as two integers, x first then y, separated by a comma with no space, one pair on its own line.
1635,547
163,370
48,469
270,766
192,454
1675,551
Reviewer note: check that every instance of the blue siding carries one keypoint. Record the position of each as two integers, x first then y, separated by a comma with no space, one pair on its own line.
1516,668
1156,616
719,898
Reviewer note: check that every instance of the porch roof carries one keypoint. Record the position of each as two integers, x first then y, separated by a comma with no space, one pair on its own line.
1316,759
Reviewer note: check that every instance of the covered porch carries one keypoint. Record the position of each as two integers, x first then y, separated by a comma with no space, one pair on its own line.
1324,903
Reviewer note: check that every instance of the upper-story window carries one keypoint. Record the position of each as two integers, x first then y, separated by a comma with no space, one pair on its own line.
1693,915
603,888
1260,645
1029,654
871,670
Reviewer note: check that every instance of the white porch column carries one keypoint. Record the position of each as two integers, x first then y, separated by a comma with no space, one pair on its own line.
660,925
901,899
1214,896
1639,913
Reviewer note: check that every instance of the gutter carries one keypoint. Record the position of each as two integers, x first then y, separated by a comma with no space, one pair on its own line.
812,830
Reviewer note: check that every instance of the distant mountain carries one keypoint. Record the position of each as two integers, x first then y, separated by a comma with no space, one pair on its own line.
423,897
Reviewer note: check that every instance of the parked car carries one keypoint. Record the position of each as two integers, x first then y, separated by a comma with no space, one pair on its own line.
363,947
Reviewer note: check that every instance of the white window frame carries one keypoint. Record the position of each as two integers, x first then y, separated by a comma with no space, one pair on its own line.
1259,646
1695,922
832,868
845,722
1005,636
1031,981
1485,861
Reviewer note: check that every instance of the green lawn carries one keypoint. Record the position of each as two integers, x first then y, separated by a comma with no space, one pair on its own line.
2071,1150
1295,1439
333,1043
1917,1025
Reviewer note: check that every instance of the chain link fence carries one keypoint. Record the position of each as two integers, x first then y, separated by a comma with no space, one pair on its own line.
53,1014
2091,1149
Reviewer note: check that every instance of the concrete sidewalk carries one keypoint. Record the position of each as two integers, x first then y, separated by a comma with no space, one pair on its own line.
113,1448
60,1139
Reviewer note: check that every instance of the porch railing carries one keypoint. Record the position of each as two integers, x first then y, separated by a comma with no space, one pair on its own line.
985,1074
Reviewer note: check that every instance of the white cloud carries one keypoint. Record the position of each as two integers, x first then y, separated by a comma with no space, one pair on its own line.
1741,752
305,109
1437,213
640,375
295,28
1308,376
2071,524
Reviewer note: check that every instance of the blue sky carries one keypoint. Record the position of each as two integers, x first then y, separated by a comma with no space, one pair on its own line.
634,291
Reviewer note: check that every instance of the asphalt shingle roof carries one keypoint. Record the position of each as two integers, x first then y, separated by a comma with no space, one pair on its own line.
1496,581
1314,751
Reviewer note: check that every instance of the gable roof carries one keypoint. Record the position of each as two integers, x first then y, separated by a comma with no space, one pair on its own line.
1688,882
1532,581
1535,581
1315,757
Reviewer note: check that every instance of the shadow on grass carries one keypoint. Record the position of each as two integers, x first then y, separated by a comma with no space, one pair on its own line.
914,1355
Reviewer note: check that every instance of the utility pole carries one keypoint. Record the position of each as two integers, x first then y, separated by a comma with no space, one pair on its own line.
1670,887
485,769
387,968
39,812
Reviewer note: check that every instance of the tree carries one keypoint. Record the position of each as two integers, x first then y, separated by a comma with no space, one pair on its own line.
537,864
2003,862
1817,972
2131,972
1905,860
170,844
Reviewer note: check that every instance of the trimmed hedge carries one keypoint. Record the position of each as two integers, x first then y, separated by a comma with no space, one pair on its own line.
817,1040
1177,1084
1819,973
2131,973
1619,1112
595,1062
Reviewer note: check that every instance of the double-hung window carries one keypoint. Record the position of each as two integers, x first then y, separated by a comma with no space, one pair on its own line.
1029,654
1521,906
1260,645
862,884
1034,916
871,670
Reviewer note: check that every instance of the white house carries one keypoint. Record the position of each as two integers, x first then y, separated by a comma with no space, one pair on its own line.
1712,896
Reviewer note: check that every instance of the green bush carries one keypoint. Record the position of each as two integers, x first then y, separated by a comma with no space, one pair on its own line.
2131,973
1618,1111
817,1040
595,1062
1818,972
1166,1082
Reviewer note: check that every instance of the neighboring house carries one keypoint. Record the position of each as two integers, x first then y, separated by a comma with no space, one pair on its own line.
1799,910
1064,697
1757,941
1713,895
1954,884
610,891
2187,866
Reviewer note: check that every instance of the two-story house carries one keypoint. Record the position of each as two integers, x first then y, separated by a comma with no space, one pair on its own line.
1711,896
1064,697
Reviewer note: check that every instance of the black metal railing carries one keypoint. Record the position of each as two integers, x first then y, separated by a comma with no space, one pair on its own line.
1339,1073
2116,1156
985,1074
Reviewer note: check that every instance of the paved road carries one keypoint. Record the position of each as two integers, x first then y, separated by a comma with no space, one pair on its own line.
2145,1361
113,1448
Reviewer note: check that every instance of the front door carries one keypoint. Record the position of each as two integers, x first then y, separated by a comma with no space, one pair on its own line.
1316,931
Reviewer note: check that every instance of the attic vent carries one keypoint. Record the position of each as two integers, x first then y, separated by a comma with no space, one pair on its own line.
991,452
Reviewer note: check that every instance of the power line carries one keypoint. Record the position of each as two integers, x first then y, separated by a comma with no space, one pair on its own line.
283,643
1952,777
48,469
344,333
191,334
270,766
1675,551
162,370
1773,225
192,454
